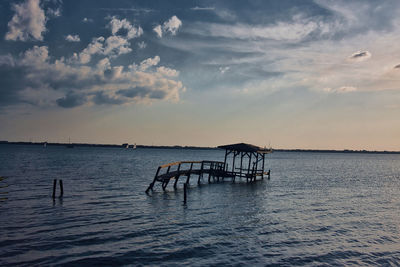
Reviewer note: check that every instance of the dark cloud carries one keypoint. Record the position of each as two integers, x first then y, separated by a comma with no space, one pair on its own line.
134,92
11,84
360,54
100,98
34,79
71,100
142,92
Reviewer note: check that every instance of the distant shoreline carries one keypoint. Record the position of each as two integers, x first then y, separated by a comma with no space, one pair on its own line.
195,147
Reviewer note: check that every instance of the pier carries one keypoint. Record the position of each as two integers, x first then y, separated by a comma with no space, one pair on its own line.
241,161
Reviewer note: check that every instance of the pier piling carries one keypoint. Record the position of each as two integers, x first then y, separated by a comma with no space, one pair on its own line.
54,188
61,188
184,193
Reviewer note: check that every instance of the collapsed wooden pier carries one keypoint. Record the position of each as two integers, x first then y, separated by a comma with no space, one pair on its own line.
245,160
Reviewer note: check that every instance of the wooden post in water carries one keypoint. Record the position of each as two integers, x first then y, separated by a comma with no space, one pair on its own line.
61,188
201,173
263,165
54,188
226,155
248,168
241,164
177,177
152,183
256,165
190,172
184,193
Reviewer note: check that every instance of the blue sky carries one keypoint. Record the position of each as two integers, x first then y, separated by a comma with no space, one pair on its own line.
293,74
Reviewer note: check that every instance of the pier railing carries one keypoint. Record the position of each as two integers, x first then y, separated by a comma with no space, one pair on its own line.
175,170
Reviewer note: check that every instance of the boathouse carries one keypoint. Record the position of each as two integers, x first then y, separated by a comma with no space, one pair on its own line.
241,161
245,161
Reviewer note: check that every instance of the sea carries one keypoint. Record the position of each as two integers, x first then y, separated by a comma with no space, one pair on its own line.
317,209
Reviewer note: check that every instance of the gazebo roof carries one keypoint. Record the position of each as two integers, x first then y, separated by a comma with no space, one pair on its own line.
243,147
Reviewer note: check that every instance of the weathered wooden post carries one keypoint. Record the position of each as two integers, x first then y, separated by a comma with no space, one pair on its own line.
152,183
61,188
269,174
263,165
54,188
201,173
184,193
189,173
164,184
177,177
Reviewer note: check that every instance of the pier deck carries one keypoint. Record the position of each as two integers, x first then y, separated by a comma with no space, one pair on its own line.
215,170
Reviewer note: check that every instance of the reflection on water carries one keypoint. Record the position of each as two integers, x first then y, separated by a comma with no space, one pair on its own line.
317,208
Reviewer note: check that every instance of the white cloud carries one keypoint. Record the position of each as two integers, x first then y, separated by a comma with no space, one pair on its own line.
132,32
104,64
281,31
112,47
197,8
158,30
28,22
36,56
54,12
72,38
57,82
167,72
147,63
343,89
170,26
86,20
115,46
142,45
223,69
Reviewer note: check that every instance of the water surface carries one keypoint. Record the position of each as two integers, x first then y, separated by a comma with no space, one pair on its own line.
317,209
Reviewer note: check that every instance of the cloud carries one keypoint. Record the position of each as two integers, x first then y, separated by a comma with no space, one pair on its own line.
167,72
197,8
71,100
147,63
360,56
118,25
28,22
170,26
340,90
53,12
223,69
72,38
124,9
142,45
112,47
87,20
280,31
36,78
158,30
346,89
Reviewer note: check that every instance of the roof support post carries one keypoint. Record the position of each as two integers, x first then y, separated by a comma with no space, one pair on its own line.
263,165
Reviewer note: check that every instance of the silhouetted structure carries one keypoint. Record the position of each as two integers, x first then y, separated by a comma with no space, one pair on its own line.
252,165
252,161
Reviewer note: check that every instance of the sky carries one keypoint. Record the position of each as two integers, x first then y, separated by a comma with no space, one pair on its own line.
319,74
